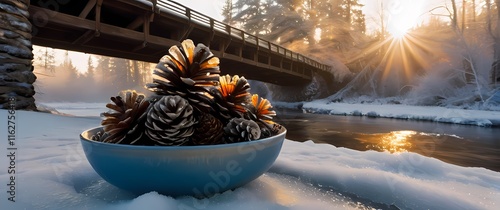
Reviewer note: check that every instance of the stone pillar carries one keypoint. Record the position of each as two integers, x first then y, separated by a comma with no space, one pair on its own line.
16,68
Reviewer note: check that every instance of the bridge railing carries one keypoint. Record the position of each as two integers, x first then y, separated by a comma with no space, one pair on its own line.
199,18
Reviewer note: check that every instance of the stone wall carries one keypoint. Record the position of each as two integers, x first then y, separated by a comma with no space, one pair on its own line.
16,69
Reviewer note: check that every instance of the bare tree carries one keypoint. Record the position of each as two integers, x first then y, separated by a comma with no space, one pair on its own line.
464,3
488,14
495,72
454,15
227,12
473,10
382,16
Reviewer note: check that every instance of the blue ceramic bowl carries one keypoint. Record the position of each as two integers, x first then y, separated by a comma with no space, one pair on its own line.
181,170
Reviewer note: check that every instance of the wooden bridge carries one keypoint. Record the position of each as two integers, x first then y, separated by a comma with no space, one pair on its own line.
145,29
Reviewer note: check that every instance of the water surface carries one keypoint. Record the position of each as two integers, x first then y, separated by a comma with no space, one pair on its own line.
464,145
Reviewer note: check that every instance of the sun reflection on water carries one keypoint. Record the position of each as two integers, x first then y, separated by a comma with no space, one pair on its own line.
396,141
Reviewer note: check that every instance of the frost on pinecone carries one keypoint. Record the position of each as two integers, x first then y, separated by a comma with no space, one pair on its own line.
208,131
170,121
239,130
261,111
122,123
188,72
230,97
191,105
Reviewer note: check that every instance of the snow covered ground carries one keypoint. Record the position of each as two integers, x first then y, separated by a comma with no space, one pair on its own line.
398,111
53,173
74,108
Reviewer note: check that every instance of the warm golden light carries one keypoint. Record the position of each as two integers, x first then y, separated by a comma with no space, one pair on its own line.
78,59
396,141
317,34
399,31
403,15
279,192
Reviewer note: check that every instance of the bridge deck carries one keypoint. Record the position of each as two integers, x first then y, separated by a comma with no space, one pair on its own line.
144,30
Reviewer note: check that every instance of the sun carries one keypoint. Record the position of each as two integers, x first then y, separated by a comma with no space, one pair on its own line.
399,31
403,15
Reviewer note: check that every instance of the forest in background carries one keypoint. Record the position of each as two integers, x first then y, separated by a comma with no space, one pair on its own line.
103,77
447,60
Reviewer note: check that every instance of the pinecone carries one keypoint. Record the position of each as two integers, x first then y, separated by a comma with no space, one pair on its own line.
265,130
99,136
123,123
170,121
231,96
277,129
269,129
189,72
260,111
209,130
239,130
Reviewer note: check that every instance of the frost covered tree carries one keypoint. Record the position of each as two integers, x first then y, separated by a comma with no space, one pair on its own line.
90,70
16,69
303,25
287,25
46,59
321,29
227,12
70,70
251,16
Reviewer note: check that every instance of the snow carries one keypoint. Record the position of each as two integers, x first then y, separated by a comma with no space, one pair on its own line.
15,51
73,108
53,173
400,111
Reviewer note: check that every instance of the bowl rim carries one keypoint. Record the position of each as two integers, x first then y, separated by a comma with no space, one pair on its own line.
283,132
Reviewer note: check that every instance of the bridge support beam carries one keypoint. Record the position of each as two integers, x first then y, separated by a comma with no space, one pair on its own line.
16,69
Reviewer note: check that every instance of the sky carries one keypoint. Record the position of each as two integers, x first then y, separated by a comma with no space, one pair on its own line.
401,15
211,8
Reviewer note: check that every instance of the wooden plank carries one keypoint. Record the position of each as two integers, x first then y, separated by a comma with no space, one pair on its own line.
85,37
186,32
138,21
98,17
90,5
145,31
72,22
63,19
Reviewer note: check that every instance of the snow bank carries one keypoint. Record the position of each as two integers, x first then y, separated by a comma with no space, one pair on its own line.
407,180
73,108
407,112
53,173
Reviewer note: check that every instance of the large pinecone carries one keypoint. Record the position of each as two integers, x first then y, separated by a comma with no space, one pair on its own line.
124,123
208,131
170,121
189,72
239,130
231,96
260,111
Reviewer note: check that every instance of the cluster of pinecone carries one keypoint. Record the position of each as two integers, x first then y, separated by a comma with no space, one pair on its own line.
191,104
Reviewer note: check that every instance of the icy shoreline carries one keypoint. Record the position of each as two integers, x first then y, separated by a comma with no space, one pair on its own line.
397,111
